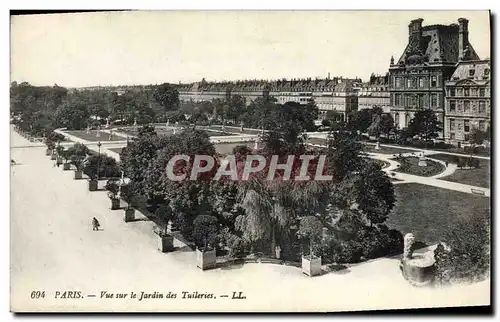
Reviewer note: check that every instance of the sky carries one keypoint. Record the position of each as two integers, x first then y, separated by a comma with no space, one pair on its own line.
153,47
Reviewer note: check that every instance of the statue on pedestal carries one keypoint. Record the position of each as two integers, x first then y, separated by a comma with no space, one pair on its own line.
409,240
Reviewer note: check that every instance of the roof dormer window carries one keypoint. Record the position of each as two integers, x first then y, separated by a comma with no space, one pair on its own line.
472,72
486,71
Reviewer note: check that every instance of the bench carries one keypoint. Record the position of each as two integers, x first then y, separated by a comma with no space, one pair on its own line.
477,192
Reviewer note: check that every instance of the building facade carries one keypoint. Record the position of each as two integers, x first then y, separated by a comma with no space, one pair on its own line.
417,78
337,94
468,100
375,92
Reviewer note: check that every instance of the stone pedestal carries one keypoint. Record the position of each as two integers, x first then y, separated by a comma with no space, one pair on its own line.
165,243
115,203
311,266
422,162
78,174
256,145
206,259
129,214
419,270
377,146
93,185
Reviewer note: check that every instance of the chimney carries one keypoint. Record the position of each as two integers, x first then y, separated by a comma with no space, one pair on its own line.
415,33
463,37
328,75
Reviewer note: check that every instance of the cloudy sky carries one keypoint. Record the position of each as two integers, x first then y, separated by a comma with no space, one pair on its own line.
150,47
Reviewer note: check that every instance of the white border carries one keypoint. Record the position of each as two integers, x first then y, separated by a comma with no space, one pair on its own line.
183,5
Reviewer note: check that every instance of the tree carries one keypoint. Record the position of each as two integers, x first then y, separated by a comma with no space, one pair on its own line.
374,193
167,96
344,154
72,114
425,124
386,124
108,167
360,120
311,230
205,231
477,137
186,198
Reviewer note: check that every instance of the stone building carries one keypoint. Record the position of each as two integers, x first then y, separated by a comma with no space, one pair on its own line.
417,78
337,94
375,92
468,100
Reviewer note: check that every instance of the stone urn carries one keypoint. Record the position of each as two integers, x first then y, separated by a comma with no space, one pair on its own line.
206,259
417,269
78,174
93,185
129,214
66,166
311,265
165,243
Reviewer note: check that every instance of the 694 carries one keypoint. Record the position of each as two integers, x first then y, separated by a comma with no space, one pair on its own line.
38,294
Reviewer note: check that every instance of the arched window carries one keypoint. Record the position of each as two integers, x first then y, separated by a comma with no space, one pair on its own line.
396,119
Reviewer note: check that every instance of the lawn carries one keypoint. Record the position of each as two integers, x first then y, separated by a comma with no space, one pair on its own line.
410,166
93,138
476,177
428,212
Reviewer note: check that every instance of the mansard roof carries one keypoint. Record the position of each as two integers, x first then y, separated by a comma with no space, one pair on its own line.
439,44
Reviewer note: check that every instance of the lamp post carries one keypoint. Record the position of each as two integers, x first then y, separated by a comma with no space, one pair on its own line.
98,158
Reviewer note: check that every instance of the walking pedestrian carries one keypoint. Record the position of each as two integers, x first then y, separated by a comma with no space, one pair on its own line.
95,224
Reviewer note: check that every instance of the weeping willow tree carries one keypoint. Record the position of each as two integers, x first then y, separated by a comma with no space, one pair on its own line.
272,207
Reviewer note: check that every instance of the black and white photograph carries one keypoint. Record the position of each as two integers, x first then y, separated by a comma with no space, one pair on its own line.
250,161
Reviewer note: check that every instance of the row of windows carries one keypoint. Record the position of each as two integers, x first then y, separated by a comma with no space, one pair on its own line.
466,106
467,91
416,82
472,72
465,125
416,100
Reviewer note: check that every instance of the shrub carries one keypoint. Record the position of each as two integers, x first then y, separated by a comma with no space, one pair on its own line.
205,231
108,167
310,231
368,243
469,255
113,187
237,247
164,213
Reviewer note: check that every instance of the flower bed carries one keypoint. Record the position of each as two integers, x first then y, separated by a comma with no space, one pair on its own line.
410,165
